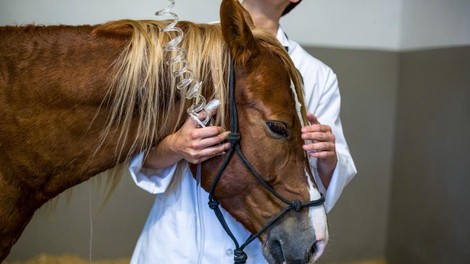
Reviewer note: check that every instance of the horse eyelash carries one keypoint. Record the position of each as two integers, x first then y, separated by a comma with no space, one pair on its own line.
276,128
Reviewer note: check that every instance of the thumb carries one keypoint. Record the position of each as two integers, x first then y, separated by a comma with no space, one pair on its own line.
205,116
191,122
213,112
312,119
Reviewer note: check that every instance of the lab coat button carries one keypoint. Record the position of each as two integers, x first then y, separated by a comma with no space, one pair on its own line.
229,252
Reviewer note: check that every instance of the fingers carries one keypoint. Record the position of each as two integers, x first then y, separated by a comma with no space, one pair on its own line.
214,140
191,124
199,151
319,146
209,152
316,128
199,144
202,138
202,116
322,154
319,136
208,132
318,132
321,150
315,125
320,139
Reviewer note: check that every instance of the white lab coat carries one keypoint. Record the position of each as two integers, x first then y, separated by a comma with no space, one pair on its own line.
181,227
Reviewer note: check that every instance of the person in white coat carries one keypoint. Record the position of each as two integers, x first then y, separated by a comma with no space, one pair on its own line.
181,228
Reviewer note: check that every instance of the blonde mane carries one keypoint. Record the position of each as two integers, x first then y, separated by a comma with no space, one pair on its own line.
143,88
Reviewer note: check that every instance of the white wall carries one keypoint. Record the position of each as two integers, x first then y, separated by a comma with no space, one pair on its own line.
97,11
364,24
435,23
346,23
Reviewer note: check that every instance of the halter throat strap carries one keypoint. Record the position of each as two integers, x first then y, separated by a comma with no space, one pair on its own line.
240,256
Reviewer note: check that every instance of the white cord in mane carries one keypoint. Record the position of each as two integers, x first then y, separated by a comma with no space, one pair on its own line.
189,86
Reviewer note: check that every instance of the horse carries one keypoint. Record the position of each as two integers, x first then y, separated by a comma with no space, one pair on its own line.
79,100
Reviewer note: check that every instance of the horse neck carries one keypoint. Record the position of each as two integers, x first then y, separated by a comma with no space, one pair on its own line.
52,84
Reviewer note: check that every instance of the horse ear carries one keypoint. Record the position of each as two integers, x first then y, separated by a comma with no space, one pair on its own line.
236,22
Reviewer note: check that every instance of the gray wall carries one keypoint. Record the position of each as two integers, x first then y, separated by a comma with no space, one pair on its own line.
63,225
430,211
368,83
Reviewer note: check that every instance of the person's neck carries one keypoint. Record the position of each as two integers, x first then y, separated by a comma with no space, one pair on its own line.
264,15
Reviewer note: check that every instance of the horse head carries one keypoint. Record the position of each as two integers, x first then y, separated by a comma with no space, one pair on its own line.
269,115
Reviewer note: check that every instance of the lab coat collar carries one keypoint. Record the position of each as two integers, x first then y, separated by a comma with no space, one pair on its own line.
283,39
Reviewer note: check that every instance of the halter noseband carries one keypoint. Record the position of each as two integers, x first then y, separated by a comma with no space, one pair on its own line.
240,256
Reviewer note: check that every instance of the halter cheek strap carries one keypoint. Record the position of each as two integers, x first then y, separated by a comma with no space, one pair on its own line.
240,256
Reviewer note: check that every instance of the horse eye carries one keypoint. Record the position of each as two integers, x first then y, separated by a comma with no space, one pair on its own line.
277,128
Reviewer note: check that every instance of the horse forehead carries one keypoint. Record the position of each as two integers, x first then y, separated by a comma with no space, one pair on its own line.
272,65
275,93
267,74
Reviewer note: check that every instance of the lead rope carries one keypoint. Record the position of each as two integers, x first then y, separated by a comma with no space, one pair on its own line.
201,239
90,219
240,256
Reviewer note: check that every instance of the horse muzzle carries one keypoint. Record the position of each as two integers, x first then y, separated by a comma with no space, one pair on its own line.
297,240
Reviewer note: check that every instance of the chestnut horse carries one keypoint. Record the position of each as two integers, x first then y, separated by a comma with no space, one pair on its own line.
77,100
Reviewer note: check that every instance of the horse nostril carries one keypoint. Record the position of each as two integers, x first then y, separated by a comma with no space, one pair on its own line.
313,249
317,249
276,250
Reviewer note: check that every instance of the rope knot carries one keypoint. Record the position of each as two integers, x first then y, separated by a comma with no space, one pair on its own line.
233,137
239,256
213,204
296,205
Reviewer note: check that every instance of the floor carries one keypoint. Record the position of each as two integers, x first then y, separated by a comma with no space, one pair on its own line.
67,259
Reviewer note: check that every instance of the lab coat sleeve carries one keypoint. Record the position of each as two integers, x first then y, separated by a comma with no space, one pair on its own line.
151,180
327,112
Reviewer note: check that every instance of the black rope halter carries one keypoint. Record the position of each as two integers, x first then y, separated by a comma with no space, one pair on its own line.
240,256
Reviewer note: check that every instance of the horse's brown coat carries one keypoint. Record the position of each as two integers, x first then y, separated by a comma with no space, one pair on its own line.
53,81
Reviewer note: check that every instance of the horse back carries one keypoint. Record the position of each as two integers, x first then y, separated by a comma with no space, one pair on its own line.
60,60
53,80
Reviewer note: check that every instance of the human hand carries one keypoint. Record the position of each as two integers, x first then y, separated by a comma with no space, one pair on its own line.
321,143
196,144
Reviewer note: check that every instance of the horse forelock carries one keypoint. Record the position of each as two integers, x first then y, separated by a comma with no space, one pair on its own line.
142,87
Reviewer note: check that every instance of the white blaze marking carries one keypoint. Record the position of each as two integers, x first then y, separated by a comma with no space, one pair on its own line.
317,214
298,105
